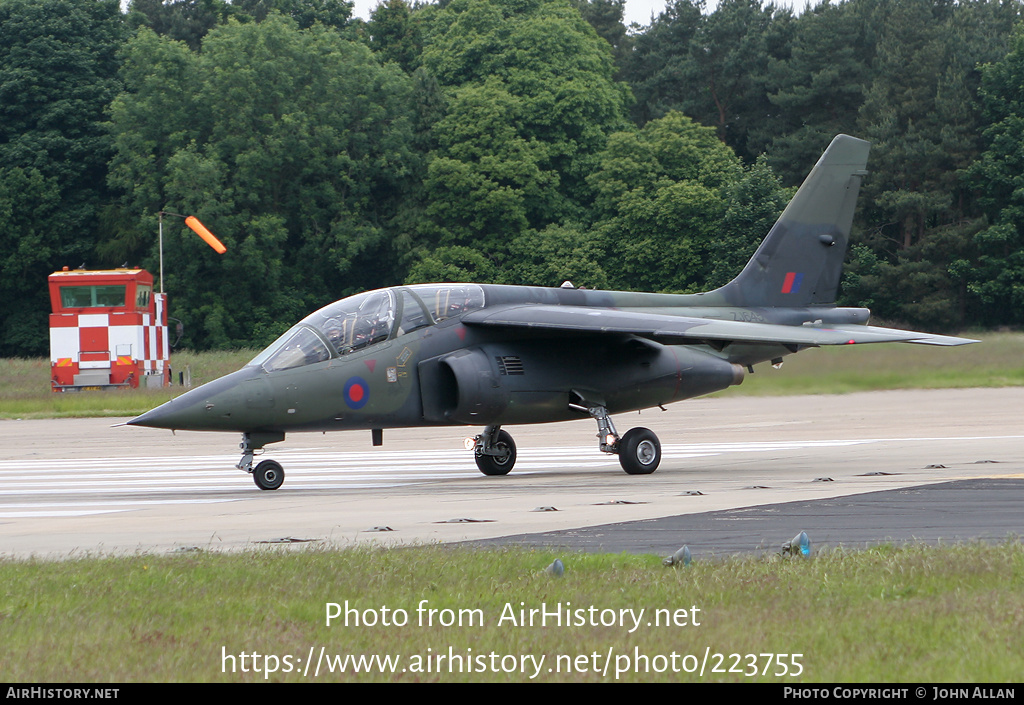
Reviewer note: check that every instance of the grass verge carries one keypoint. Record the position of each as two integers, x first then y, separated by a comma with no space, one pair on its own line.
886,614
25,387
997,361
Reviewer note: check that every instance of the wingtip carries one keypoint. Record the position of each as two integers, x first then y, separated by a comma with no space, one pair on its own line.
944,340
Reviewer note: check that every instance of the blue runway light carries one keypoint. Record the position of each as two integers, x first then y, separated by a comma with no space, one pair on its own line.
801,542
805,544
680,557
556,569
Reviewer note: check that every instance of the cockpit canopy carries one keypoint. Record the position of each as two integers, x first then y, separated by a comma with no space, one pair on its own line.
366,319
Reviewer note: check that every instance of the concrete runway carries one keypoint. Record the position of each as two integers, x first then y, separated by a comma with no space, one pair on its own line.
738,474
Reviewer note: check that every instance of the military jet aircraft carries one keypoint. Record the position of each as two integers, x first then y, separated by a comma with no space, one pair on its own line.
492,356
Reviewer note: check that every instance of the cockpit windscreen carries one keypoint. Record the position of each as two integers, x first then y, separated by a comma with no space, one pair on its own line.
358,321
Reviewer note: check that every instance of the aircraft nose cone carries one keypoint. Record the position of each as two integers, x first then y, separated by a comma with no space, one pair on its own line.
175,414
209,407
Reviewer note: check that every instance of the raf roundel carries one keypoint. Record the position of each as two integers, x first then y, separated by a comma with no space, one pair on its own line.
357,392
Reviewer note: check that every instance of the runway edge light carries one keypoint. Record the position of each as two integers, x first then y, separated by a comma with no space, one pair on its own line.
680,557
798,544
556,569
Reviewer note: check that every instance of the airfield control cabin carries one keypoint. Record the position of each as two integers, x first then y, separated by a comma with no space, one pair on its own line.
108,329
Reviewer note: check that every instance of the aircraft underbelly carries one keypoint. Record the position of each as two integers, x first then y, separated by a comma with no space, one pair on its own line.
536,381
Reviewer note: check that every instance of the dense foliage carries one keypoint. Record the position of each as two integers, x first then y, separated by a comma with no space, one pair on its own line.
513,141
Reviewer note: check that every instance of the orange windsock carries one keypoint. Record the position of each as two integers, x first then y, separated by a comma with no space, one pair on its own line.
200,230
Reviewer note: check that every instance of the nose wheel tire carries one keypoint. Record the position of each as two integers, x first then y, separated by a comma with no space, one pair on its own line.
498,464
268,475
639,451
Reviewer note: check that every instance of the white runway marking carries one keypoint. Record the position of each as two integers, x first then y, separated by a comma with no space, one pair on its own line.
67,488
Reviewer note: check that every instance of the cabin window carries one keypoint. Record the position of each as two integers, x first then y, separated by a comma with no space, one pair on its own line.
300,346
95,296
414,315
356,322
449,300
143,294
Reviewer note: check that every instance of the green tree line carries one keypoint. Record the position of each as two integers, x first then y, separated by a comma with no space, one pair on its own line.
508,141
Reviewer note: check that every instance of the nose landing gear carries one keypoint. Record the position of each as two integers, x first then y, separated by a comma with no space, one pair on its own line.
268,475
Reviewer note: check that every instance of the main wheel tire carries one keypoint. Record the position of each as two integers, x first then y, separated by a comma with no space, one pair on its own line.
639,451
268,475
498,465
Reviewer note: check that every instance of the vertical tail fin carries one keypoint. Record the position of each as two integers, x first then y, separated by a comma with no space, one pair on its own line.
800,261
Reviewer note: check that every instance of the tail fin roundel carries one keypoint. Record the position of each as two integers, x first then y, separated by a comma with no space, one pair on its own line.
800,261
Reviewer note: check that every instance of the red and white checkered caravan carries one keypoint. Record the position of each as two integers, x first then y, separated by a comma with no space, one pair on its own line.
108,329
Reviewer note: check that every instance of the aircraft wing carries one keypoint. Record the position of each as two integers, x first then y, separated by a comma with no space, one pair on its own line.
684,329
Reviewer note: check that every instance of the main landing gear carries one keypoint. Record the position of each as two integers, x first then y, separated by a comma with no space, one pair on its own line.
639,449
268,474
495,451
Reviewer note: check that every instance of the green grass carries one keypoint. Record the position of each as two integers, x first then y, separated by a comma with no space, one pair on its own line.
912,614
25,387
998,361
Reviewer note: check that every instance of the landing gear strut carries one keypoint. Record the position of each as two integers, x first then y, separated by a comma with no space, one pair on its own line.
495,451
268,475
639,450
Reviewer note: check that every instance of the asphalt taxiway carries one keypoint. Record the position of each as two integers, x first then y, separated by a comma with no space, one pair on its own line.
738,474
